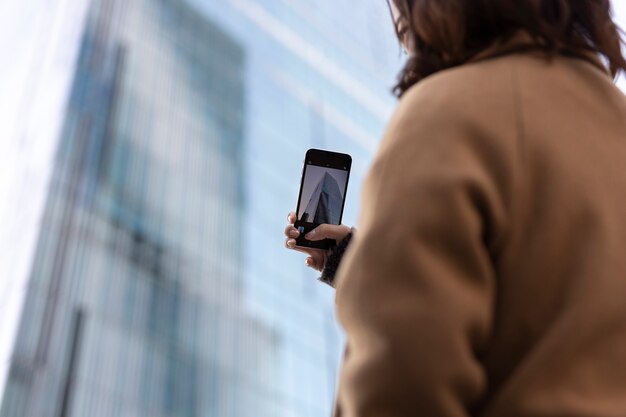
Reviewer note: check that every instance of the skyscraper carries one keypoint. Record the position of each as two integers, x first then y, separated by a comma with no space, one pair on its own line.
325,203
160,285
133,304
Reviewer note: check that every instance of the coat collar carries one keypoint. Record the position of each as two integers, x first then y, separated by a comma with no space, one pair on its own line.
522,41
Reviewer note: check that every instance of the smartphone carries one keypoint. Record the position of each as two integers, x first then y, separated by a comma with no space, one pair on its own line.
322,194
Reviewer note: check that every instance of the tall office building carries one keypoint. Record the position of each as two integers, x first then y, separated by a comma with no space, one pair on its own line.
133,304
325,203
160,285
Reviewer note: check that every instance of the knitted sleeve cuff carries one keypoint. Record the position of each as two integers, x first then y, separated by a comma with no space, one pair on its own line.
334,259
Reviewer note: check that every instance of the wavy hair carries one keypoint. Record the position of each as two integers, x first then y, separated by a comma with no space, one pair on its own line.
447,33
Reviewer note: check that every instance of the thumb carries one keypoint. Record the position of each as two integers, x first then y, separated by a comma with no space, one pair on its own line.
328,231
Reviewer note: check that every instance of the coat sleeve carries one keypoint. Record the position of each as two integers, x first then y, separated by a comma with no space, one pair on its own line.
334,260
416,287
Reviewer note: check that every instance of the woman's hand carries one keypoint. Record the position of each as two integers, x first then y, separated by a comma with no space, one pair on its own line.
317,257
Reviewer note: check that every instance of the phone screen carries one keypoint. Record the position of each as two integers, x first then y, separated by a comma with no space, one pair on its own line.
322,193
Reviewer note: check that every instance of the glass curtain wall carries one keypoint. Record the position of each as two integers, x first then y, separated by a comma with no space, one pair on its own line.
160,284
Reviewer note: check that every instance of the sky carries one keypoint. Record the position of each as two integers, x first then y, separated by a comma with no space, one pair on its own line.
38,47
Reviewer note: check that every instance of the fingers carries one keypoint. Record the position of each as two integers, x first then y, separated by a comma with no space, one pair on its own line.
290,243
328,231
314,252
312,263
317,257
317,260
291,232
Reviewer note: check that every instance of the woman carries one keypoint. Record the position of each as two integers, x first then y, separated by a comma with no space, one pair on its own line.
487,276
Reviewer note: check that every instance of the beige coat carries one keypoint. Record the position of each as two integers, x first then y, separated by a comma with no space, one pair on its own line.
488,273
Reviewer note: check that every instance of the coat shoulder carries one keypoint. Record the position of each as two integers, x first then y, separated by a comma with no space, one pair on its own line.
477,100
467,88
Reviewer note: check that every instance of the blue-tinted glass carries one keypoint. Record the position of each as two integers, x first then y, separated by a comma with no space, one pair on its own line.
160,285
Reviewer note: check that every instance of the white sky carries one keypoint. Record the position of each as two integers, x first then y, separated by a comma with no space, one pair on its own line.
38,45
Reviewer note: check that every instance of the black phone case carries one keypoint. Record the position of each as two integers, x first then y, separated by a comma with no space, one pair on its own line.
332,159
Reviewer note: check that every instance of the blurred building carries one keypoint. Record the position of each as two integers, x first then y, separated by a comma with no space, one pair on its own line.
134,302
160,285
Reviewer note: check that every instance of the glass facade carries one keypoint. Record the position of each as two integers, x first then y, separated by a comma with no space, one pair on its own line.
160,284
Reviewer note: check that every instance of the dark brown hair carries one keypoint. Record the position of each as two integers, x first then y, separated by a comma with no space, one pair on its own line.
446,33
